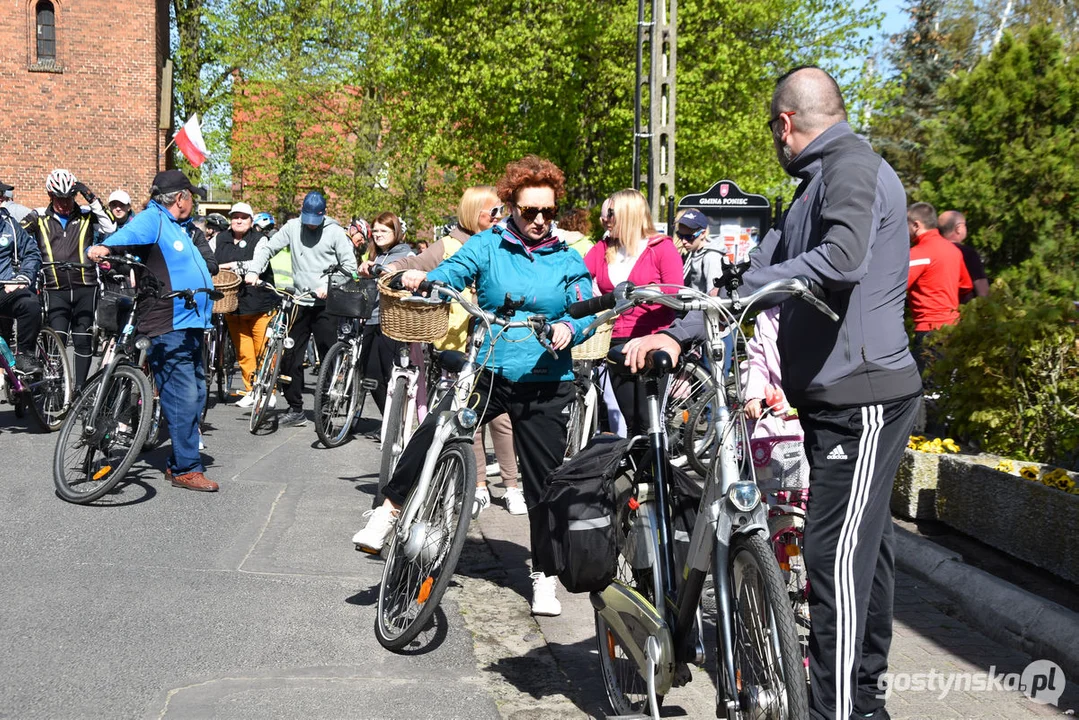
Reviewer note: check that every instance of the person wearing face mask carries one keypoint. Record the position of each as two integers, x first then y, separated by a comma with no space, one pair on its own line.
523,258
315,242
379,351
854,382
254,305
64,231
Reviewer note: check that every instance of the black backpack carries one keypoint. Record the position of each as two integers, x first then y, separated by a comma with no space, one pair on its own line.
578,510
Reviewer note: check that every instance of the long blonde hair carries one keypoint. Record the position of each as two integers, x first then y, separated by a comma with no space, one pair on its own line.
472,204
632,223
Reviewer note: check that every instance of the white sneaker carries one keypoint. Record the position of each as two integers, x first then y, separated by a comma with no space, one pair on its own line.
544,601
377,531
493,469
481,501
515,501
246,401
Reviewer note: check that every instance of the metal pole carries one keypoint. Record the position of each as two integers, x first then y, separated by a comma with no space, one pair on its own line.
661,90
638,131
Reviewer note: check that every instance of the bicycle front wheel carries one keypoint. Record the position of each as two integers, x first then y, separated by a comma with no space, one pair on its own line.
769,674
337,395
393,442
786,533
265,382
86,464
420,559
52,396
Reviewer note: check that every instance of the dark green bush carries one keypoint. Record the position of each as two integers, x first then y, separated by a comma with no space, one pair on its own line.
1008,375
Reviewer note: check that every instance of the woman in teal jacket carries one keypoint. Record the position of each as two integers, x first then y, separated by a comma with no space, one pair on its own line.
524,258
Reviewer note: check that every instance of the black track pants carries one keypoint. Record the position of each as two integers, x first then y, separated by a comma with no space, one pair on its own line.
853,455
71,313
307,322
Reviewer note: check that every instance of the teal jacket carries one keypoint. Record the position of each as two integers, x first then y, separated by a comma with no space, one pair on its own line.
549,276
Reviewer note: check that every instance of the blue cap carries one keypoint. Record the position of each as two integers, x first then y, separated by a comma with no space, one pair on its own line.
314,209
694,220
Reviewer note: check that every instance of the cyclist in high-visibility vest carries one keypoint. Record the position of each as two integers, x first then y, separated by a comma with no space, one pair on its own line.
64,231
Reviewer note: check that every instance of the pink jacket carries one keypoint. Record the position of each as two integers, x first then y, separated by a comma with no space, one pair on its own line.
659,263
761,369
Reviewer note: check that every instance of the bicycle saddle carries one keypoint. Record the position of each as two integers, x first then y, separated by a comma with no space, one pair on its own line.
453,360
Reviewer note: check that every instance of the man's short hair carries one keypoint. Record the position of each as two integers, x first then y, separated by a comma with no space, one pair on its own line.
924,213
812,95
948,220
167,199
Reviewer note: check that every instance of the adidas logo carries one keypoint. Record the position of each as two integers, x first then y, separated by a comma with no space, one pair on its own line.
837,453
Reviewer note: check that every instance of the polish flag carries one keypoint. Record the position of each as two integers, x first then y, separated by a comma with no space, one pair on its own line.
190,142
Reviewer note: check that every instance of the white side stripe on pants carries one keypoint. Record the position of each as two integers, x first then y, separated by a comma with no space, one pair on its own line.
846,610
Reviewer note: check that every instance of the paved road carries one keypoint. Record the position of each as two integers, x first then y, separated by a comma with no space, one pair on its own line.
251,603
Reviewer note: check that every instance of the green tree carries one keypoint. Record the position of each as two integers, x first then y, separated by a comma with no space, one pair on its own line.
1006,153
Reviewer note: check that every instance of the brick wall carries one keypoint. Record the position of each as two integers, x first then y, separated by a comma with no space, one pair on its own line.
94,113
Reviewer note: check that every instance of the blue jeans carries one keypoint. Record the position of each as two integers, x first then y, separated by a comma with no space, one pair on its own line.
176,359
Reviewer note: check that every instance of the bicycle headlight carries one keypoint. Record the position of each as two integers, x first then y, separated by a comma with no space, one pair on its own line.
289,343
467,418
142,343
744,496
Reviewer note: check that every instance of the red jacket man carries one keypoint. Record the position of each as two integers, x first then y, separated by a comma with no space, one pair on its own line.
937,273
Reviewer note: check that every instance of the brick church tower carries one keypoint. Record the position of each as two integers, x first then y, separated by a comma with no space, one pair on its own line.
80,88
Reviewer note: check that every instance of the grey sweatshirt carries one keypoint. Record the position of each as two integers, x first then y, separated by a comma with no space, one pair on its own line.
846,229
312,252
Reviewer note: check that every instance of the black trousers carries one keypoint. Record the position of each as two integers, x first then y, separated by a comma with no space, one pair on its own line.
377,357
853,457
71,313
24,307
538,415
629,390
308,321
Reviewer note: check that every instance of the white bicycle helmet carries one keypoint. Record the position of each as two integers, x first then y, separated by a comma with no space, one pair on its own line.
263,221
60,183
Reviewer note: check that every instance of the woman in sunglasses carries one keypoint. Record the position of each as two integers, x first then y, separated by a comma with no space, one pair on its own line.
524,259
633,251
477,211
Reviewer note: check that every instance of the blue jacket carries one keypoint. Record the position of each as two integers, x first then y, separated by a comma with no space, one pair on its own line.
19,253
549,277
166,248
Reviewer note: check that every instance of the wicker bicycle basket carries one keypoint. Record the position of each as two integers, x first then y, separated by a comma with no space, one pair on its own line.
409,322
228,283
595,347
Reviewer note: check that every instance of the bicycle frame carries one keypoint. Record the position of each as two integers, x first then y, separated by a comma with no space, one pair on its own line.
409,363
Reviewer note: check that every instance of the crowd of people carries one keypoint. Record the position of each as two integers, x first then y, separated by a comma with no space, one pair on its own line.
855,383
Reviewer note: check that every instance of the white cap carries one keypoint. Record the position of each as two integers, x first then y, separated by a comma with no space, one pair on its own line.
119,196
242,208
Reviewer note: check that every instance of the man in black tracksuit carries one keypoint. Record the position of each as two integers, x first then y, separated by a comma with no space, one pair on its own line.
854,382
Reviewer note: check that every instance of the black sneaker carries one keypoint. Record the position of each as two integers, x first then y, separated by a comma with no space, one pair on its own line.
293,418
28,364
878,714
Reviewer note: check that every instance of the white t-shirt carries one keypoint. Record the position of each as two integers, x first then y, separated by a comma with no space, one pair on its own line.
622,265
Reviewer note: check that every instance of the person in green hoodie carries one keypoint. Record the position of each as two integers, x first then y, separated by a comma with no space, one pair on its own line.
315,243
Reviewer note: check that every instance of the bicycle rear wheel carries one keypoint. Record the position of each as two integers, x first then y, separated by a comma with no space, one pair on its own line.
419,565
52,396
786,533
700,439
153,434
769,674
337,395
684,390
87,465
265,382
392,443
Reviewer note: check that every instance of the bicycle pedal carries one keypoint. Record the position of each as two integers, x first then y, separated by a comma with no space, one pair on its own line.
369,384
286,379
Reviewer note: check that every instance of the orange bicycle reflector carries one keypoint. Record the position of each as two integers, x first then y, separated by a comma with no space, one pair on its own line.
610,645
793,550
633,504
425,590
102,472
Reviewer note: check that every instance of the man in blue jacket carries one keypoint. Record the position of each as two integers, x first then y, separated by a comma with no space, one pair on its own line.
20,260
176,331
854,382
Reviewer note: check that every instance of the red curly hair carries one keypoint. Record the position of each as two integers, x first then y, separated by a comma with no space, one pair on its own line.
531,171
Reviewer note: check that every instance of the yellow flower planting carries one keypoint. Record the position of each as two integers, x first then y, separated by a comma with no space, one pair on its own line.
936,445
1030,472
1005,466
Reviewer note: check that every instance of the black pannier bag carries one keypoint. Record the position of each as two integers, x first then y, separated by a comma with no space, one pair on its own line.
352,298
684,502
578,510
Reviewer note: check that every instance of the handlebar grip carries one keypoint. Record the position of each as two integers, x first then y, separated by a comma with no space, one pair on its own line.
425,287
584,308
377,270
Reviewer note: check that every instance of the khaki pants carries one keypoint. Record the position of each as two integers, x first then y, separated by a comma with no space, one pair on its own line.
248,334
501,433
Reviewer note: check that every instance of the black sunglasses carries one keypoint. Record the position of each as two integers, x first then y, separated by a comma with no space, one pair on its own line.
529,213
690,236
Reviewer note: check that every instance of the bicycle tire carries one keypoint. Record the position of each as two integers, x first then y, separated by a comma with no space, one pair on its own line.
124,416
337,395
51,399
412,589
395,429
265,382
573,426
773,687
684,389
227,369
700,436
783,531
153,434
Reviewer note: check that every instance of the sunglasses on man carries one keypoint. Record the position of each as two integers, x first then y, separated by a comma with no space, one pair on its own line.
528,214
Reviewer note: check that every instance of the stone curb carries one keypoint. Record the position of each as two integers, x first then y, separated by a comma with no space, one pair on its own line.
1002,611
